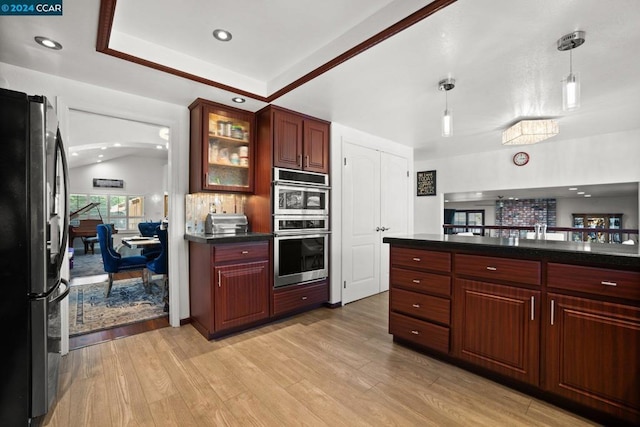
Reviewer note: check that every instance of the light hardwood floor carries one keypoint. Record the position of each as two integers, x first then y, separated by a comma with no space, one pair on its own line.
326,367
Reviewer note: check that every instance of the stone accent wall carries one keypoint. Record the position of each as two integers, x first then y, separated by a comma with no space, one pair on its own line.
526,212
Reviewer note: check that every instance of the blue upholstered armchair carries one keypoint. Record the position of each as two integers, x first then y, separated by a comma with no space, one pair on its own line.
160,265
114,262
149,229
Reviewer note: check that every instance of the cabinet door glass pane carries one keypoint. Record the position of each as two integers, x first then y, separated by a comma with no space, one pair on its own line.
228,151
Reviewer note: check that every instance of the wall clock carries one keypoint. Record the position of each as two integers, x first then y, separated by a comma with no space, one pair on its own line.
520,158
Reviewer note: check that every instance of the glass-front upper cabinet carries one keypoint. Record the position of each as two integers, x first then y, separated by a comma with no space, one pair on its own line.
221,157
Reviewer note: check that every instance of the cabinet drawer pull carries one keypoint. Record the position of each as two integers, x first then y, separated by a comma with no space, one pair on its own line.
303,298
245,252
416,281
299,162
415,332
491,268
417,259
607,283
553,309
307,159
416,305
219,277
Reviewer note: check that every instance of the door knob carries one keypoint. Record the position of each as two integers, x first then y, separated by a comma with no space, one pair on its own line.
378,228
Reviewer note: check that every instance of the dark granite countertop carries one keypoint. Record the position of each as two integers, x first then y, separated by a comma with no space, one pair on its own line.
212,239
596,254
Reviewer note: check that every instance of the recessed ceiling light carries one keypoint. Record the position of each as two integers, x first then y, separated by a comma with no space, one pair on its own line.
100,156
48,43
573,188
99,161
587,195
103,148
479,193
159,147
222,35
580,192
164,133
117,144
511,198
238,99
75,153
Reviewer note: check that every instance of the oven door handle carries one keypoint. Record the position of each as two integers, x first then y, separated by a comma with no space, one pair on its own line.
310,233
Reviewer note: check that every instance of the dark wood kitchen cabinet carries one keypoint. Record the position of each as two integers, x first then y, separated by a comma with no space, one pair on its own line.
299,142
221,153
496,322
498,328
525,316
229,286
601,338
420,297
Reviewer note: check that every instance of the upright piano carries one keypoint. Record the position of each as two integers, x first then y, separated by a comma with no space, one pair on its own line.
86,228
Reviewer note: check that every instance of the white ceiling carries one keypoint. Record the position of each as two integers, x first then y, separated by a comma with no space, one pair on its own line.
502,54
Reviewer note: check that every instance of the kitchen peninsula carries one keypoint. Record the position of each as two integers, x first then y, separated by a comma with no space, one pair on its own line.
557,319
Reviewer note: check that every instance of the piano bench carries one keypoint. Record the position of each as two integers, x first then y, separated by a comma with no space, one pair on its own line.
89,243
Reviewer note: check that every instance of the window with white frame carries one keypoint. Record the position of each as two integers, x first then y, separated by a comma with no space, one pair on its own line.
123,211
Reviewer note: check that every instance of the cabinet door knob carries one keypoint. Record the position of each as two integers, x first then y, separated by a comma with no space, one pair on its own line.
377,228
245,252
416,281
607,283
303,298
416,305
491,268
415,332
417,259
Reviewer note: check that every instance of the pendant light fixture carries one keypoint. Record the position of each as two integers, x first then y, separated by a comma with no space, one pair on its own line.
571,83
447,119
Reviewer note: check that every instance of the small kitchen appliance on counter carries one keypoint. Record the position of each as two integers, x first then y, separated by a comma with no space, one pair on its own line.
226,224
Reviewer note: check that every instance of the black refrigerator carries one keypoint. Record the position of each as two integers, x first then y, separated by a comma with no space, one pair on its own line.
33,240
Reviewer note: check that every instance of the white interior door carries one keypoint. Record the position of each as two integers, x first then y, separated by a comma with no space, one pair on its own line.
360,218
394,206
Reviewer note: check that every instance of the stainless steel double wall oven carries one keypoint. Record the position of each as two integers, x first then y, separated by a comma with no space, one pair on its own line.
301,226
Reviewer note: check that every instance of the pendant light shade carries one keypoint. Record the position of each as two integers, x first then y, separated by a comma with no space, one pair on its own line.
447,123
571,83
571,92
447,118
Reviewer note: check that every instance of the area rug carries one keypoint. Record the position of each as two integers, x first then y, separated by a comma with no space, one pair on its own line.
90,310
87,265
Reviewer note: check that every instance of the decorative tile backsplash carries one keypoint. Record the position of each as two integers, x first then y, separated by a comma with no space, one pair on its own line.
198,205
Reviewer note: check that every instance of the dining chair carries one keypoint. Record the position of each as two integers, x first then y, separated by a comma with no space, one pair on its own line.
160,265
149,229
112,261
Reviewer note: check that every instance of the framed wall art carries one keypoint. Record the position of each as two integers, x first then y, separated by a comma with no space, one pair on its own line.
426,183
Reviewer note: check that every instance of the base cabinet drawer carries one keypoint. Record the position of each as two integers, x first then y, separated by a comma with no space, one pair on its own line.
494,268
425,307
297,297
430,283
421,259
599,281
419,332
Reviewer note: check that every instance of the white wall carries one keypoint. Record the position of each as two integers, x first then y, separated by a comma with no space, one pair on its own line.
341,134
72,94
142,176
601,159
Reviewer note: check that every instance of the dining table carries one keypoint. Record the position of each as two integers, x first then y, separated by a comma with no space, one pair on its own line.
140,241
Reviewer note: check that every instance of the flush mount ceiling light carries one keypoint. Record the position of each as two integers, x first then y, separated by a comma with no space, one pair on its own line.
571,83
530,132
238,99
48,43
222,35
447,119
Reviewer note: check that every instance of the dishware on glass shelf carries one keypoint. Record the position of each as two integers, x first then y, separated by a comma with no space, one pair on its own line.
223,156
213,152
